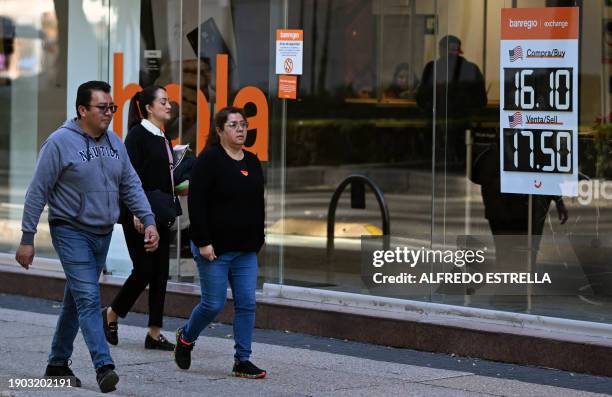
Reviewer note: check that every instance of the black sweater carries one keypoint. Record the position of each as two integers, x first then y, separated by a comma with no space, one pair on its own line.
226,202
149,157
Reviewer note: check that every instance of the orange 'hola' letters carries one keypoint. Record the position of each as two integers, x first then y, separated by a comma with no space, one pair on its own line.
248,94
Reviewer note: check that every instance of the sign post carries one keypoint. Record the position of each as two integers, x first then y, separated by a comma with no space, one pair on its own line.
538,140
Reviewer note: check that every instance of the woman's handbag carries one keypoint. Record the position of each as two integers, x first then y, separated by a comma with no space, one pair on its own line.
165,206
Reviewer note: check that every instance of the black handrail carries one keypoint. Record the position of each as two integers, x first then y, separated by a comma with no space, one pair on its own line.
331,213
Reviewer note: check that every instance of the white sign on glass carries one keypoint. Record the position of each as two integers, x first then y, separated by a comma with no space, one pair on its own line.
539,101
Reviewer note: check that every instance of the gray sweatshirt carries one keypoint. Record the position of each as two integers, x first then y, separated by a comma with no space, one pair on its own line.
83,181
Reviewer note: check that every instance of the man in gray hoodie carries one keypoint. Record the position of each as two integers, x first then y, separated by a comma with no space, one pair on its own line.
83,173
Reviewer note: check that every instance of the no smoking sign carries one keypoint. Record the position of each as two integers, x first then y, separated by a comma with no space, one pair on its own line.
288,65
289,51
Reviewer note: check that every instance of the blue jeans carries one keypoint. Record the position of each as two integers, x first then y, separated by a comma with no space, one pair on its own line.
82,255
241,270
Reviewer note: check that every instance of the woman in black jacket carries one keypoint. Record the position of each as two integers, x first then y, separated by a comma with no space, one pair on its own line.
226,214
151,156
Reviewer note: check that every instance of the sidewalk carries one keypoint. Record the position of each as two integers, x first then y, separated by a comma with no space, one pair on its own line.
292,371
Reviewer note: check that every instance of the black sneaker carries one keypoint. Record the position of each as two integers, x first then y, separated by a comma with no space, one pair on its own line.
110,329
63,371
246,369
107,378
161,343
182,351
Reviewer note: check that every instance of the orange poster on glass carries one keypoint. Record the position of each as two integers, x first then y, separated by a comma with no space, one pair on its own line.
287,87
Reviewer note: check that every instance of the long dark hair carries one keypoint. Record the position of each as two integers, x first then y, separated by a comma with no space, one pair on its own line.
139,102
220,120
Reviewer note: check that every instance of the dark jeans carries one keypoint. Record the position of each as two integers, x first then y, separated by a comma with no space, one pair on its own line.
83,255
150,268
240,268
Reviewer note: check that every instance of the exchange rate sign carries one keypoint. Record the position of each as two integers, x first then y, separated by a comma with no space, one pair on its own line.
543,89
539,101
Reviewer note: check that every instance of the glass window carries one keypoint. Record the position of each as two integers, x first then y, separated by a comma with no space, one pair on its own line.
36,72
405,94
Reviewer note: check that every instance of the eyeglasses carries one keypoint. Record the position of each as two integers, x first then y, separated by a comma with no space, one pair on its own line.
234,124
105,108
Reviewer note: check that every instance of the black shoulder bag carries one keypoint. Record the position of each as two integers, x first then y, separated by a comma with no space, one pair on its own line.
165,206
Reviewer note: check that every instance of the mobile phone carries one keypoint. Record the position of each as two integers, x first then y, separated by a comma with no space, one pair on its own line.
212,43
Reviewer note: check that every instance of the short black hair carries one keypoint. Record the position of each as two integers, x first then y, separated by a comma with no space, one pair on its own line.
450,44
223,114
220,120
84,92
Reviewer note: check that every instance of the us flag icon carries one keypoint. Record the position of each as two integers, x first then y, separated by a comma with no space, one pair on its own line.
516,53
515,119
